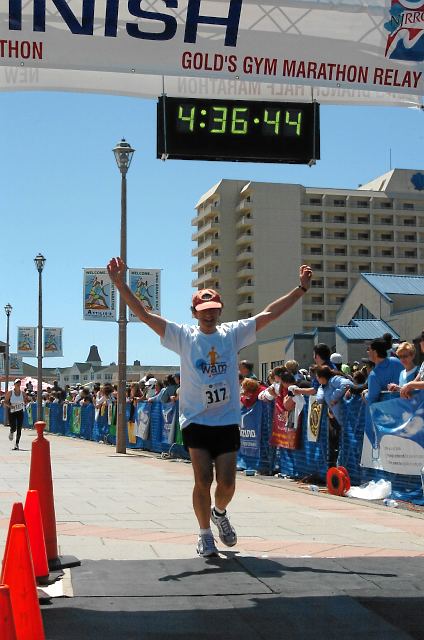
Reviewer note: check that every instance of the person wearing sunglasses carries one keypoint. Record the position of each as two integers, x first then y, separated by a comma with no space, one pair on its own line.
406,354
417,384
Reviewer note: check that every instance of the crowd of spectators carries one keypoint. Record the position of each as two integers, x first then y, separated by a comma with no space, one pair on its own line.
388,367
147,389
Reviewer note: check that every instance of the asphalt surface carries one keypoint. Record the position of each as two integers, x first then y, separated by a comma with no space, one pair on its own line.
306,565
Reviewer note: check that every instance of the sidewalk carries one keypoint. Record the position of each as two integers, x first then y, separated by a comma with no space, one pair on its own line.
129,519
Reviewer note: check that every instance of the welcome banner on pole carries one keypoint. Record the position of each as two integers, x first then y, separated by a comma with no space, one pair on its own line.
52,345
145,285
99,300
27,339
354,51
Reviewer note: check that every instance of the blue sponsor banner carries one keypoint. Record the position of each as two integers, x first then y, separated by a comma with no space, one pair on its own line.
250,431
396,434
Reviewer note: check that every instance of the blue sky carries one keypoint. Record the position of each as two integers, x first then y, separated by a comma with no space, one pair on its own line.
60,195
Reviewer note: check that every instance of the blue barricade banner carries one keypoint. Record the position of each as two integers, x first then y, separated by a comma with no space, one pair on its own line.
250,431
169,414
395,434
143,420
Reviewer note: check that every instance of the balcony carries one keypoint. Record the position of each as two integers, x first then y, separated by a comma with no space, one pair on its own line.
245,254
244,205
208,261
209,226
208,276
245,221
244,238
246,306
209,210
245,272
245,289
207,244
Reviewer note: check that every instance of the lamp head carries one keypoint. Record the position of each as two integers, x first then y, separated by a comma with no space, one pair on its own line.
8,309
123,155
39,261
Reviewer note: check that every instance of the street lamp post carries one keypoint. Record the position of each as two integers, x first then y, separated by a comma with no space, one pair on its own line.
123,155
40,261
8,310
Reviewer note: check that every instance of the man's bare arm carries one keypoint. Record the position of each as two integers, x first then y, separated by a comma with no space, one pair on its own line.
116,270
275,309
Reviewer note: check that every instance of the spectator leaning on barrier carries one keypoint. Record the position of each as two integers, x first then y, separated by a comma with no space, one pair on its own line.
321,355
250,390
209,396
170,388
385,371
406,354
332,388
418,383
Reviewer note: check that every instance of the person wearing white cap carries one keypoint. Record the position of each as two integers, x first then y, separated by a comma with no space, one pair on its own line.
209,397
14,401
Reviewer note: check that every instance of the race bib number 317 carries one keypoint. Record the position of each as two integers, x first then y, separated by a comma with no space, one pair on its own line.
215,395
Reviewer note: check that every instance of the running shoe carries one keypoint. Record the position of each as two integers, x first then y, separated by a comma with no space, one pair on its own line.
206,546
227,533
16,447
10,434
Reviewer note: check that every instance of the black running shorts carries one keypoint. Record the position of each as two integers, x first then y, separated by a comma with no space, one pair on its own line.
16,419
215,440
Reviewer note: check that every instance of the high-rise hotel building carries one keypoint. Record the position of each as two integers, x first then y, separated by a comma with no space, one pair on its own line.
251,238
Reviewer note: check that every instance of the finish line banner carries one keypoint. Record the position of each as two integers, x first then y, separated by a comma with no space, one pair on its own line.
361,47
394,438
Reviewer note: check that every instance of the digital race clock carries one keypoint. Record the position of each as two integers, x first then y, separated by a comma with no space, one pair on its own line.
245,131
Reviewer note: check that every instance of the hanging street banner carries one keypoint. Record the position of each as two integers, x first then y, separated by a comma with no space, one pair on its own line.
394,436
52,344
99,300
16,367
145,285
27,341
335,51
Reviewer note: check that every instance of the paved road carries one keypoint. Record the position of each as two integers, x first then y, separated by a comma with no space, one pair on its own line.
305,563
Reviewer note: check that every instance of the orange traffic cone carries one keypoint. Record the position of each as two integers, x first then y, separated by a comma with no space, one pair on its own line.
7,626
16,517
34,525
40,478
19,576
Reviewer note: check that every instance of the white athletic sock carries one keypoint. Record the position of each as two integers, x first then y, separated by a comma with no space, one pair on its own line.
219,512
204,531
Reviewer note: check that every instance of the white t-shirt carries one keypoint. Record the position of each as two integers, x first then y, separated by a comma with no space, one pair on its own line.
209,392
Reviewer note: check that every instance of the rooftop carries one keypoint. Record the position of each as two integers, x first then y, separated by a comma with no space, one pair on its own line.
387,284
365,330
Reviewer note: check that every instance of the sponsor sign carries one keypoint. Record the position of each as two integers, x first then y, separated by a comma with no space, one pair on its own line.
144,48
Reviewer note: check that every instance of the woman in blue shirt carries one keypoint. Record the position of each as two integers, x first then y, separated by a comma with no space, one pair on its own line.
417,384
406,354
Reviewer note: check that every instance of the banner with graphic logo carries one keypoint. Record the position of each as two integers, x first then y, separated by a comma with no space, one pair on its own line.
99,300
52,343
169,414
314,419
394,436
76,420
351,51
27,341
284,432
145,285
250,431
16,366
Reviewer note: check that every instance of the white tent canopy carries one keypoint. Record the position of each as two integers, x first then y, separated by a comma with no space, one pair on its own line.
339,51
